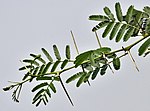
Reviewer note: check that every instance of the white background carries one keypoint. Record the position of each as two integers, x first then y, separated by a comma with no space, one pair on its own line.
28,25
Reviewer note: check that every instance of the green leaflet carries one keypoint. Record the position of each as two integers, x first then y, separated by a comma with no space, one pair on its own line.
45,98
91,58
68,52
56,52
108,13
128,34
95,72
47,55
128,17
74,77
87,66
51,85
98,18
55,66
31,62
24,68
103,69
44,101
81,79
147,29
121,32
41,69
116,63
82,57
144,47
38,95
147,10
108,29
34,73
46,68
27,74
39,86
44,78
114,30
38,57
100,25
64,63
137,16
146,53
87,77
38,103
118,11
48,92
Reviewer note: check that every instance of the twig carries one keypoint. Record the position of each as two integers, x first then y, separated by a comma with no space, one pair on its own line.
65,90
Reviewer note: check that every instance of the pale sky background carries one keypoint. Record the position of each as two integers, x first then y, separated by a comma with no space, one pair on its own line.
28,25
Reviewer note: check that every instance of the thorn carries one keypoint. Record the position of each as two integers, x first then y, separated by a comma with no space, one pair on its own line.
111,69
98,39
65,90
75,44
132,59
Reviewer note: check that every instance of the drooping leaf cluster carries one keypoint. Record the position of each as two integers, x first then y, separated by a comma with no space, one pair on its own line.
124,26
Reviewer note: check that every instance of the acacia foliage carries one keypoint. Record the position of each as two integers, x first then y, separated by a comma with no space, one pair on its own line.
47,70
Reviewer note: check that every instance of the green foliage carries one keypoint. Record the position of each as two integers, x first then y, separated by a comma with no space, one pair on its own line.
92,62
127,25
47,55
116,63
144,47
